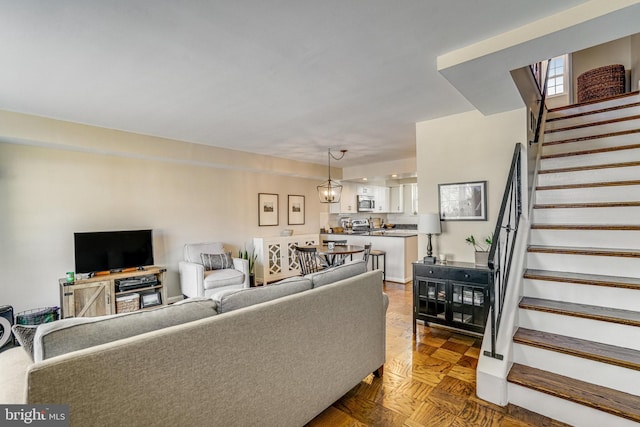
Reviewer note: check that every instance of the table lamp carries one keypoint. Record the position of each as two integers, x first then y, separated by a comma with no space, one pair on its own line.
429,224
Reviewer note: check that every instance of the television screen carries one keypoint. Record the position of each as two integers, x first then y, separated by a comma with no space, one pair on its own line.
112,250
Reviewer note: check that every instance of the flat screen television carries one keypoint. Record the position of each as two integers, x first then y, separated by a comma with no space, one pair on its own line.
112,250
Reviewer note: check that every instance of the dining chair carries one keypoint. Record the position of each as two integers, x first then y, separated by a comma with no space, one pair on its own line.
307,260
367,251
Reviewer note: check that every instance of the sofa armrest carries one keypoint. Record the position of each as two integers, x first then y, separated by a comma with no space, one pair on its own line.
191,278
242,264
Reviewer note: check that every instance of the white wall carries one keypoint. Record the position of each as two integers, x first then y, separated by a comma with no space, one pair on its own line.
460,148
47,194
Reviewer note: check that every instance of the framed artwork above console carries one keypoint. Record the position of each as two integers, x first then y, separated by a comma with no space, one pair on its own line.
463,201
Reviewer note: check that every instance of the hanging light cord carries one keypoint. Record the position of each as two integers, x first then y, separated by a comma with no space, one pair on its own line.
342,153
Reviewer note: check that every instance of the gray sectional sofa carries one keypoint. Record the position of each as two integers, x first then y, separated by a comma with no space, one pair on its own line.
269,356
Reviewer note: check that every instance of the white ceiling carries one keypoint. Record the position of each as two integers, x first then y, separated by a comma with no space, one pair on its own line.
287,78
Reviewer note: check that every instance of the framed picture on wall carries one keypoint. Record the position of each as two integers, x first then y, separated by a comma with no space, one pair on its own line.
267,209
295,212
463,201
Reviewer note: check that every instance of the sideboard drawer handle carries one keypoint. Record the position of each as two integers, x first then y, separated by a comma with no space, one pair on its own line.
466,276
430,271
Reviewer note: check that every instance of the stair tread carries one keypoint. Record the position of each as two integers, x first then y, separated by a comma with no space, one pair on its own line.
607,227
584,279
590,124
591,151
606,314
590,137
601,398
599,352
587,205
588,185
600,110
590,167
575,250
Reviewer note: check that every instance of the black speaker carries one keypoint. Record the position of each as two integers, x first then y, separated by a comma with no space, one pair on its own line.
6,322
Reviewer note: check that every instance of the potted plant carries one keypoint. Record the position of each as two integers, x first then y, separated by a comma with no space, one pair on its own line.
251,257
481,248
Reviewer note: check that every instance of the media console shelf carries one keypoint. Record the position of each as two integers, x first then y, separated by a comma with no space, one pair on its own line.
455,294
97,295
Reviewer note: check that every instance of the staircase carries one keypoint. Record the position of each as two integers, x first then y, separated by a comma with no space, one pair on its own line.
576,350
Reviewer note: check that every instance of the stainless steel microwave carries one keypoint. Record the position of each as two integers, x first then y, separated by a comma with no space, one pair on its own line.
366,204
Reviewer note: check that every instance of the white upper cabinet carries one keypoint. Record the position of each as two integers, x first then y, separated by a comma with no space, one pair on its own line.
395,199
366,190
348,200
382,199
410,196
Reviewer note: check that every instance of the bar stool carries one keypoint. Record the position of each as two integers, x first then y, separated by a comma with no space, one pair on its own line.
375,255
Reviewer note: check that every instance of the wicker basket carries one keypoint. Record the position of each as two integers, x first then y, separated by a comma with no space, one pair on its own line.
602,82
37,316
128,303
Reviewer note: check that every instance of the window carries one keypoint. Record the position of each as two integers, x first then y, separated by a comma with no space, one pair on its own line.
557,76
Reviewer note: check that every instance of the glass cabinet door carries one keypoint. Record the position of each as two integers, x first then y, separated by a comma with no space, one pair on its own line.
468,304
432,297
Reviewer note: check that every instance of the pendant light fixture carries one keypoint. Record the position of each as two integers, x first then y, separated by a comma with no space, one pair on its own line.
330,191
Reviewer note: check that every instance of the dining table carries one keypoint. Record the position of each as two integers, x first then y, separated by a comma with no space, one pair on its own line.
336,254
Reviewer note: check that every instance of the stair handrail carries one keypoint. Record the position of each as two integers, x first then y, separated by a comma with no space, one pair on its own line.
543,97
502,245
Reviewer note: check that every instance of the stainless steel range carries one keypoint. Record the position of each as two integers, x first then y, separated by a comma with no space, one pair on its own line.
360,225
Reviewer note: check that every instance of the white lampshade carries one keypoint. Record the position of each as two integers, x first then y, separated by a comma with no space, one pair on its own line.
429,223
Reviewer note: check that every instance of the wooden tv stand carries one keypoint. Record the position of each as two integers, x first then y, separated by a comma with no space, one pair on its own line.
96,296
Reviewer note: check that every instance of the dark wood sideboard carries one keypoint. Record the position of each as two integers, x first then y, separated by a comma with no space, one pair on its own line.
454,294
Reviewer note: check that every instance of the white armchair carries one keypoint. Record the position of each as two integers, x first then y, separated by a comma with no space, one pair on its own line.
196,282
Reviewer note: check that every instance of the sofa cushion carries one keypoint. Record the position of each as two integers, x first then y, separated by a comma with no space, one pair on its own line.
233,299
67,335
216,261
226,277
14,364
25,335
340,272
192,251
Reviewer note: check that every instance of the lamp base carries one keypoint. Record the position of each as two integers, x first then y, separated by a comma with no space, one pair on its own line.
429,260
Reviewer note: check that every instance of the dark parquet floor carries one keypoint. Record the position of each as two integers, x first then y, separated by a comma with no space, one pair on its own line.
429,381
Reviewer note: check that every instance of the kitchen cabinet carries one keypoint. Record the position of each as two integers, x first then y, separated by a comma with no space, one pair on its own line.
276,256
410,197
365,190
454,294
395,199
382,199
348,200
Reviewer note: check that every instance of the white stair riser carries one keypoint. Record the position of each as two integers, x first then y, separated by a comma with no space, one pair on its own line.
589,176
620,298
609,157
602,374
563,410
593,107
593,118
621,193
592,144
587,264
596,216
577,327
592,130
614,239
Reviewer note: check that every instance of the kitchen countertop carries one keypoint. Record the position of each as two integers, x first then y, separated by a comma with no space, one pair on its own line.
383,233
